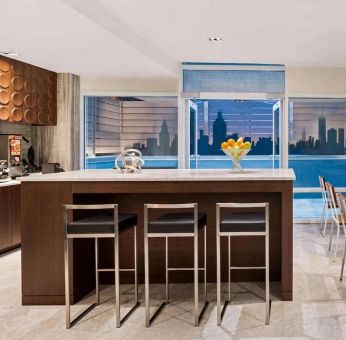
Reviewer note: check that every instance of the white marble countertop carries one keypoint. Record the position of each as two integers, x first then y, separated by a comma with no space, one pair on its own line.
152,175
8,183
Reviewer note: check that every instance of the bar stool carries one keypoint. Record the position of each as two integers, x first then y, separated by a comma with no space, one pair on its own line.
99,225
175,225
241,224
327,205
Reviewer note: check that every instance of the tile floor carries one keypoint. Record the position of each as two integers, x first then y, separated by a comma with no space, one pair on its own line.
318,310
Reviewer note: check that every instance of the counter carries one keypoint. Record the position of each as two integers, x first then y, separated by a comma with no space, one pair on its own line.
43,232
166,175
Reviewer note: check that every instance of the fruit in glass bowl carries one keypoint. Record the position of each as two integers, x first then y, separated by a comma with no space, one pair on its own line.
236,150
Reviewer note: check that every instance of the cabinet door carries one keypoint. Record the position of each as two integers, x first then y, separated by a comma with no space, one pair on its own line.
5,218
15,216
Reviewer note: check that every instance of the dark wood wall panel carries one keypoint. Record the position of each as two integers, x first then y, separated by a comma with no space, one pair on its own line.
28,94
43,234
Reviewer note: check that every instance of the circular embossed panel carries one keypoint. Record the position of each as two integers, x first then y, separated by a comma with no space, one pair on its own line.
5,80
30,116
4,113
51,105
4,65
42,103
18,83
17,98
51,119
51,92
4,97
43,87
30,101
16,69
41,117
17,114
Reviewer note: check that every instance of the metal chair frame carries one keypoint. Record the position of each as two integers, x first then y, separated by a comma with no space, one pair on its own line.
326,205
342,201
220,234
337,218
197,315
116,269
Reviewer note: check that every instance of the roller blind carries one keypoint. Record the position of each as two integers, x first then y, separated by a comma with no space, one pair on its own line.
245,81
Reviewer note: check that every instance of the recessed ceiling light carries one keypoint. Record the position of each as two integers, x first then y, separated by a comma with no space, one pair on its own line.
9,53
215,39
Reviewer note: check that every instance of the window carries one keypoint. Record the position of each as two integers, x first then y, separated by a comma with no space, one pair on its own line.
317,141
113,124
219,120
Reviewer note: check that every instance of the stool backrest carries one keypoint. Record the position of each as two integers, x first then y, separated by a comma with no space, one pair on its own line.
165,206
265,206
67,207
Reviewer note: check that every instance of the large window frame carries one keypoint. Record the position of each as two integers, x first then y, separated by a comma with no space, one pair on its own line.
184,99
113,94
330,96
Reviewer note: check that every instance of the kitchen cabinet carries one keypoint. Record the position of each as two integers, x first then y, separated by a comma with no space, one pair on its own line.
10,217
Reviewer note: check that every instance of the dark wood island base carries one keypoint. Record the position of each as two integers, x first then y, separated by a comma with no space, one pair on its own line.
43,232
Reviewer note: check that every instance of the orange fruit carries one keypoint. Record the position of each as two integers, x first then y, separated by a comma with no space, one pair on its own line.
224,145
231,141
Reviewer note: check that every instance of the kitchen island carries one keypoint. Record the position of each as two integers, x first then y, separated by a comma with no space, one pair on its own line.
43,230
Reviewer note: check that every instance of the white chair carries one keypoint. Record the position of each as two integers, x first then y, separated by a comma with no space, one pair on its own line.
342,201
337,217
326,205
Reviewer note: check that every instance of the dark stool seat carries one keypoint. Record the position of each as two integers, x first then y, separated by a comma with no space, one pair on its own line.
101,224
176,223
243,222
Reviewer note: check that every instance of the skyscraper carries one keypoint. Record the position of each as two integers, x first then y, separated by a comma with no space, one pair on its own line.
164,142
219,131
322,130
332,137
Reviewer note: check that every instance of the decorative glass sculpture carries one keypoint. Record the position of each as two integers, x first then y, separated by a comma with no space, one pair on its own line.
130,160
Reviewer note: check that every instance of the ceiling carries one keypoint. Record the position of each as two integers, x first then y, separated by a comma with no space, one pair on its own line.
149,38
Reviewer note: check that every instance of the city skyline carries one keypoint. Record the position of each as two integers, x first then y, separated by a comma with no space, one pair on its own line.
161,145
262,146
329,142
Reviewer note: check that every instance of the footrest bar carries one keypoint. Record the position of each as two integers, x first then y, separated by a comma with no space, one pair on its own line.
84,312
112,270
176,269
247,268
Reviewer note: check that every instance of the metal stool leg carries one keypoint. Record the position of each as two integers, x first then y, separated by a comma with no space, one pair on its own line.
135,263
267,320
97,271
195,270
67,284
205,263
116,274
229,268
218,268
167,283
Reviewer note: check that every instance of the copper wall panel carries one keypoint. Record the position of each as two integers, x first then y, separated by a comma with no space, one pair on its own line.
28,94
